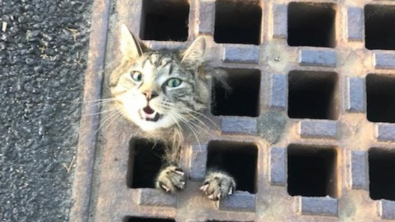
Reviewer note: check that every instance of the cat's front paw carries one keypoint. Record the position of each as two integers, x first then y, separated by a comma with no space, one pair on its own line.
218,185
171,179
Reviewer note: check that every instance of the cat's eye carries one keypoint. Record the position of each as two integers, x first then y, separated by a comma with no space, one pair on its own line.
137,76
174,82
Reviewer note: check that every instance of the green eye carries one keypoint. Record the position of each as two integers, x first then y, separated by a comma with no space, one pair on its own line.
174,82
137,76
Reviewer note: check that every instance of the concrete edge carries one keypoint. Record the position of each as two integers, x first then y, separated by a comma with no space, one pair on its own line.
81,188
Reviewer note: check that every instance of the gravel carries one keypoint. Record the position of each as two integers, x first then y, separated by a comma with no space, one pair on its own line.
43,52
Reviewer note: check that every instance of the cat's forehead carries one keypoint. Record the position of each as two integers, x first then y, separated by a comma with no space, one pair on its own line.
158,60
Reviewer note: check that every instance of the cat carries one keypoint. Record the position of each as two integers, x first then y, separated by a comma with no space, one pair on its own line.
157,90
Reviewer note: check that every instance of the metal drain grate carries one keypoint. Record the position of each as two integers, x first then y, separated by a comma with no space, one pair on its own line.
312,171
312,95
237,22
382,180
308,130
164,20
243,100
380,97
379,23
311,24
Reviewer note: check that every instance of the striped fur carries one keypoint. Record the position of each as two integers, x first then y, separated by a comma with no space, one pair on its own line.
175,106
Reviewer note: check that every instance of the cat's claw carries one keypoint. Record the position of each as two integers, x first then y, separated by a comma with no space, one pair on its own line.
218,185
204,188
164,187
171,179
180,172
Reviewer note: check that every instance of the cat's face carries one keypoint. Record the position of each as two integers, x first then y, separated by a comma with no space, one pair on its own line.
158,89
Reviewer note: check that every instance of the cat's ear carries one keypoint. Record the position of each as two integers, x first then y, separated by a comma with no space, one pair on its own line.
129,45
194,55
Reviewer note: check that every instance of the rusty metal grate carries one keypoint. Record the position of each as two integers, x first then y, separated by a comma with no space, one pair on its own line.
379,23
243,99
311,24
312,95
144,163
164,20
312,171
313,89
380,95
382,180
237,22
238,159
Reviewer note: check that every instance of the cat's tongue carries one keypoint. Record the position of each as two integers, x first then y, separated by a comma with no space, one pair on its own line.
149,114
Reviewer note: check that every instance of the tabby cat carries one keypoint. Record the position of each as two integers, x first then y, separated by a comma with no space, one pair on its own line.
158,91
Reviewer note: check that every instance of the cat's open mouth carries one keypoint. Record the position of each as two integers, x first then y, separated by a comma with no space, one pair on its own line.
148,114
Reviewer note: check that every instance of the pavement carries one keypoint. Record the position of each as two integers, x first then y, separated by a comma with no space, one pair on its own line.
43,52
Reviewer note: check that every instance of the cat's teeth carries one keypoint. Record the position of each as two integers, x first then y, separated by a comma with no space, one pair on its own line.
204,188
150,116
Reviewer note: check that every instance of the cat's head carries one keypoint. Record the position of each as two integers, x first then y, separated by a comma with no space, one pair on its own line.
159,89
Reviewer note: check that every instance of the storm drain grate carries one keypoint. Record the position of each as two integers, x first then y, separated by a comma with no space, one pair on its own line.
380,98
308,129
237,22
311,24
379,23
312,95
238,159
382,174
243,97
165,20
145,161
312,171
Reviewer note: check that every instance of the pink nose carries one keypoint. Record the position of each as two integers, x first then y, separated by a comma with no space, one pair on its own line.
150,94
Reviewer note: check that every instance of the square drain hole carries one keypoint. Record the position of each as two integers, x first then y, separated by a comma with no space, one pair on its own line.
145,161
143,219
381,174
312,171
313,95
236,158
311,24
237,21
379,27
243,97
165,20
380,98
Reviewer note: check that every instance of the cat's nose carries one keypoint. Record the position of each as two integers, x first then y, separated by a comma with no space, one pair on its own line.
150,94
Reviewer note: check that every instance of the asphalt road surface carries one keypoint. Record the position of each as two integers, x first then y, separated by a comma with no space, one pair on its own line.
43,51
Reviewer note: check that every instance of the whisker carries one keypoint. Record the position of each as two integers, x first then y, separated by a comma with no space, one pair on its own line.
200,114
101,112
179,133
96,101
178,125
194,124
197,119
191,128
104,121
